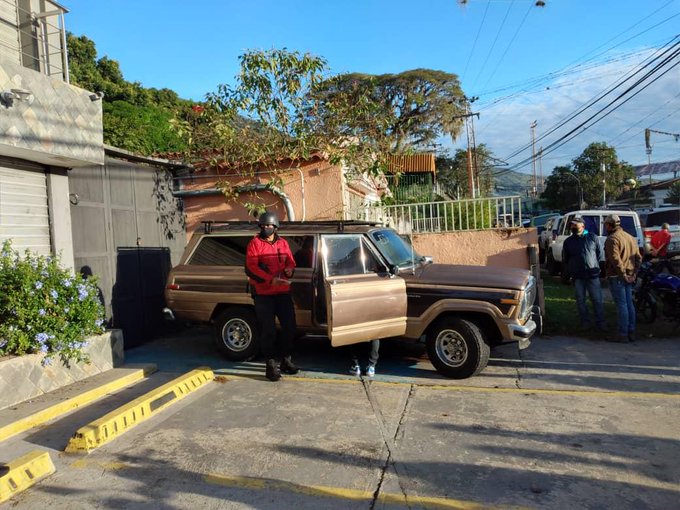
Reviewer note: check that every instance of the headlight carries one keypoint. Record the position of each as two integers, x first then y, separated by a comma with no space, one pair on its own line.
528,298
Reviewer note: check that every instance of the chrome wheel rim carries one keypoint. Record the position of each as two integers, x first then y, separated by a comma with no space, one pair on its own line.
237,335
451,348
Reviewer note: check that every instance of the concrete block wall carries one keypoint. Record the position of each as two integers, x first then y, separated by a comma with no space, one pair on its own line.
24,377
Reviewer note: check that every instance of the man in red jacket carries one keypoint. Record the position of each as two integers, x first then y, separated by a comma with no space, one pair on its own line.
269,265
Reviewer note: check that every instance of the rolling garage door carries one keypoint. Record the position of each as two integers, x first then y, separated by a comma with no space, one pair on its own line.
24,216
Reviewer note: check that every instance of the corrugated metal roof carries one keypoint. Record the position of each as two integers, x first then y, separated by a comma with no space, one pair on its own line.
657,168
412,163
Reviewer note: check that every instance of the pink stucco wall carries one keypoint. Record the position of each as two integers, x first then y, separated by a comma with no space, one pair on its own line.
315,191
503,248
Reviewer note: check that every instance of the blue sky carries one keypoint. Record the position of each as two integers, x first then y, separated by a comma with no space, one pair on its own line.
524,62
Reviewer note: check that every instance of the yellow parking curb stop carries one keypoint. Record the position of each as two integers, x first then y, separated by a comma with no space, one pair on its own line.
25,472
113,424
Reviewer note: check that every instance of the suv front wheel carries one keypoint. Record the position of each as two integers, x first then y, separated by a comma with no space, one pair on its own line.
237,334
456,348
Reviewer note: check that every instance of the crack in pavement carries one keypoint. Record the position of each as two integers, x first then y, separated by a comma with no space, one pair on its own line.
388,441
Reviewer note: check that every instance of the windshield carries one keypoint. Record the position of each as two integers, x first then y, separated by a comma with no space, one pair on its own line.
396,250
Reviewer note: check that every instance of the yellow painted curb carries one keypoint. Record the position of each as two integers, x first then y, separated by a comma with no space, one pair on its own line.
24,472
80,400
113,424
268,484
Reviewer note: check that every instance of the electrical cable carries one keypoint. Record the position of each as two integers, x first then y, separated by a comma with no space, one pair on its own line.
509,45
571,134
474,44
598,97
498,33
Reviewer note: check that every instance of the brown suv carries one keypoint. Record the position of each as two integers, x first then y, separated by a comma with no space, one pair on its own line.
355,282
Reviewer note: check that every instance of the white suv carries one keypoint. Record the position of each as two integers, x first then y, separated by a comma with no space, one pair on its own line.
594,222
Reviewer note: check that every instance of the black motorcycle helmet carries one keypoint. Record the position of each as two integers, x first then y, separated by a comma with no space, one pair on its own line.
268,218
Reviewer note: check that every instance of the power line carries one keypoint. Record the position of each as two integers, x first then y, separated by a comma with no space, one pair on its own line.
498,33
474,44
571,134
600,96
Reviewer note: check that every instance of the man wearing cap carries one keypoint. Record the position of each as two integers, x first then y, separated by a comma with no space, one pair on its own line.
269,265
581,255
622,261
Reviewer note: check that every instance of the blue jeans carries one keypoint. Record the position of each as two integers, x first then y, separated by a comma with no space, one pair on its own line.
622,292
592,287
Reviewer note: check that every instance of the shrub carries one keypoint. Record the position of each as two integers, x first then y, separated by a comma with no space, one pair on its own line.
45,308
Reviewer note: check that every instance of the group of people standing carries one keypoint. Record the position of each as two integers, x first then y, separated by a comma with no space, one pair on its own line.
581,256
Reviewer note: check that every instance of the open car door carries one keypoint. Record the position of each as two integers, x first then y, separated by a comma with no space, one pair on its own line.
363,300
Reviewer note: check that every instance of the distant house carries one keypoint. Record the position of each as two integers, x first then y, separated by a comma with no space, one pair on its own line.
411,178
652,193
47,126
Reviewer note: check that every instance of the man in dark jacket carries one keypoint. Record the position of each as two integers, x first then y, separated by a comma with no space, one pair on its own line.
269,265
581,259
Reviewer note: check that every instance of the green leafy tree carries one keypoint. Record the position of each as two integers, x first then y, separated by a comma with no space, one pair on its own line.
135,118
283,107
673,194
561,191
416,106
452,172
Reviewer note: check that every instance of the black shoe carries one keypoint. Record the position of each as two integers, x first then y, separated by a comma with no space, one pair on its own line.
273,372
288,367
632,336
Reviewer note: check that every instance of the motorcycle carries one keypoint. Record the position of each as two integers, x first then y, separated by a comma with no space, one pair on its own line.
654,289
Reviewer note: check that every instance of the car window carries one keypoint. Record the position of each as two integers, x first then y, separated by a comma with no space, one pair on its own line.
592,223
397,250
658,218
220,251
303,250
348,255
628,224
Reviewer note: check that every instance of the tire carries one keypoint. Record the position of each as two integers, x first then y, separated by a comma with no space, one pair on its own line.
541,255
553,268
237,335
645,308
456,348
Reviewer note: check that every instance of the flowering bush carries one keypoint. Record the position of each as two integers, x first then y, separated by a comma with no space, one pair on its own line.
45,308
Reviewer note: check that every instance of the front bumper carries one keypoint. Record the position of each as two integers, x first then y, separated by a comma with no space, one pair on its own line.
523,333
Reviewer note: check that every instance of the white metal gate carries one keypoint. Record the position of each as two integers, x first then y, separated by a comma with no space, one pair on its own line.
24,215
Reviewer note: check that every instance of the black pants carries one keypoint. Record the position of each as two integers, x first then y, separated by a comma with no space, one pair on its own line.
373,349
268,309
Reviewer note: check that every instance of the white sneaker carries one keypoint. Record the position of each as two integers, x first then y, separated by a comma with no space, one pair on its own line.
355,370
370,371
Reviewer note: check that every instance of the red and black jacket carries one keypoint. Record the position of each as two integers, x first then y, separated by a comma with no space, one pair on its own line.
266,260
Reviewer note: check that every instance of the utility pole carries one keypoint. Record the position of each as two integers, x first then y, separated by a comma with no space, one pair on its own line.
533,161
540,168
604,184
468,129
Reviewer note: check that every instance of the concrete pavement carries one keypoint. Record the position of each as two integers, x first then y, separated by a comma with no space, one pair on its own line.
566,423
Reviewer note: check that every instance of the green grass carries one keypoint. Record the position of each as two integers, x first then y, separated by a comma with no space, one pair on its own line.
561,316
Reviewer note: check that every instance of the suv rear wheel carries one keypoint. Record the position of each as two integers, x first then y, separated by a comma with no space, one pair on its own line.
456,348
237,334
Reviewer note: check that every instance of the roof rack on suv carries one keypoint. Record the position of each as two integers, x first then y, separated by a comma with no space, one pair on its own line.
210,225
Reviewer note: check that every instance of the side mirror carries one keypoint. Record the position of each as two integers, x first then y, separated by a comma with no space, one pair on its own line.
394,270
427,259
